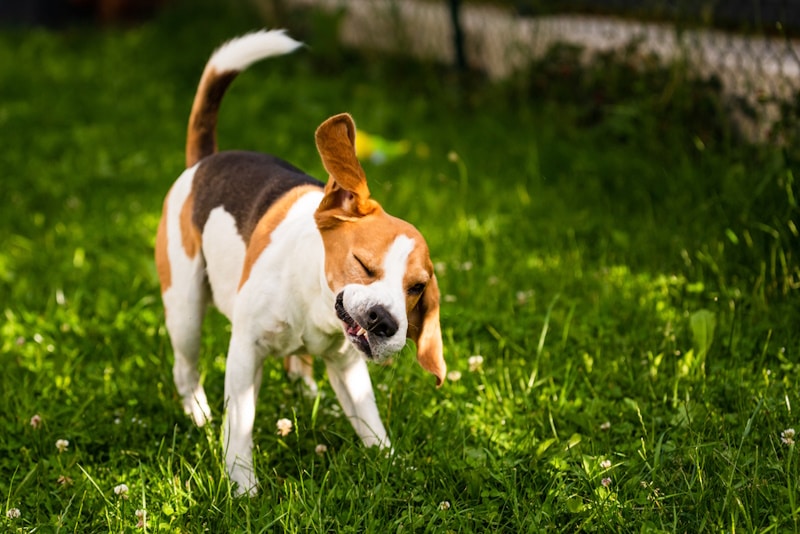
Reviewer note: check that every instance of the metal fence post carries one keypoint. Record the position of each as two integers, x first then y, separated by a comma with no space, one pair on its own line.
458,34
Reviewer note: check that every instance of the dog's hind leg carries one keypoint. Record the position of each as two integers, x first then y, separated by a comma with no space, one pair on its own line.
185,310
185,294
301,367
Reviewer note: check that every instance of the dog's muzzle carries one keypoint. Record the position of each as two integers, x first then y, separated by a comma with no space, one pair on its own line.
374,322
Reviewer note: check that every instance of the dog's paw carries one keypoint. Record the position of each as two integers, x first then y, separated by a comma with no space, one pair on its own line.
201,416
244,482
310,388
197,408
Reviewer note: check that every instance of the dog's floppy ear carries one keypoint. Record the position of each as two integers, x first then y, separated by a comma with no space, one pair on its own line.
346,190
425,331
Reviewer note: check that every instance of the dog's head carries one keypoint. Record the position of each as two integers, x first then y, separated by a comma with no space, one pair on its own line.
377,266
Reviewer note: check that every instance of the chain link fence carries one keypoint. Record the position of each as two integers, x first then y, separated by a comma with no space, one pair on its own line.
751,46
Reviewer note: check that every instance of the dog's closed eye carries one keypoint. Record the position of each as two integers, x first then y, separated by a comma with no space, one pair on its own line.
369,272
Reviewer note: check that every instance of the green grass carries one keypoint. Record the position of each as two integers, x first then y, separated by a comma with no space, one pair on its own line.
627,270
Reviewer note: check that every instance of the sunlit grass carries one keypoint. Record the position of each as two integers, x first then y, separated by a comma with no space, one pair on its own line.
632,299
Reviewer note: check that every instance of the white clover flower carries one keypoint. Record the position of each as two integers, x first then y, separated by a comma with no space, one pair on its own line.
454,376
522,297
284,427
787,436
62,445
321,449
605,426
444,505
13,513
475,362
605,464
606,482
36,421
141,515
121,490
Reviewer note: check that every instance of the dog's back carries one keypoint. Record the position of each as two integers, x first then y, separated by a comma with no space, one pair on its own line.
244,184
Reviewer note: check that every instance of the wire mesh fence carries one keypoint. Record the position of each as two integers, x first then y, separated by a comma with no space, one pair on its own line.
750,46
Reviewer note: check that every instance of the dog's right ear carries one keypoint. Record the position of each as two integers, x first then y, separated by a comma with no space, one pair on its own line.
424,329
346,193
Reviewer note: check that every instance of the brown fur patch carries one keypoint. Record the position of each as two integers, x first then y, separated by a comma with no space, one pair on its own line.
190,234
201,137
426,332
305,361
262,235
347,185
162,259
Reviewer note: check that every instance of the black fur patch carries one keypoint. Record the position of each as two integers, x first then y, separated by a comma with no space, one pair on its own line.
245,184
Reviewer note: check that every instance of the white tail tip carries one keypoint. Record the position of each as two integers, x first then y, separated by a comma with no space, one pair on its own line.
241,52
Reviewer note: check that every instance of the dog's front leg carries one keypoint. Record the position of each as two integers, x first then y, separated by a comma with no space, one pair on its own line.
349,377
242,381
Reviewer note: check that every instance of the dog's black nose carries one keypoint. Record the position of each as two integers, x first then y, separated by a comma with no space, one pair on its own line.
380,322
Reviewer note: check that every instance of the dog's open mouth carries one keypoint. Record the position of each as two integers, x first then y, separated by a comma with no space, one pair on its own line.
357,335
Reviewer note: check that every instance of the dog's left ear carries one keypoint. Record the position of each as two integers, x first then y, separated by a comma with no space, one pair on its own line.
346,190
426,332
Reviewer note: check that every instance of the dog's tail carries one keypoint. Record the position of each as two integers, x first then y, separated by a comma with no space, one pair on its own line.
224,65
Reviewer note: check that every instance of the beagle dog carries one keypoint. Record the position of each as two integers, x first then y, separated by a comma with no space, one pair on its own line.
299,267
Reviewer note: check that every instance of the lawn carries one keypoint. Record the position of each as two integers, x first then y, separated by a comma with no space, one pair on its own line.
620,298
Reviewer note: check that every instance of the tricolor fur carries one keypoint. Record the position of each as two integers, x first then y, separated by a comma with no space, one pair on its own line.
299,267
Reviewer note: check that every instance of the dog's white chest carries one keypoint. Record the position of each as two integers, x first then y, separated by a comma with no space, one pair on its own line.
284,302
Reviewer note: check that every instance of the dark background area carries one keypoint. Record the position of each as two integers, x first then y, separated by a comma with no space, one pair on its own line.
771,16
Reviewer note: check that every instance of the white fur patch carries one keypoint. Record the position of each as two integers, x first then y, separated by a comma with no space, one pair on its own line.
286,299
224,251
239,53
395,265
